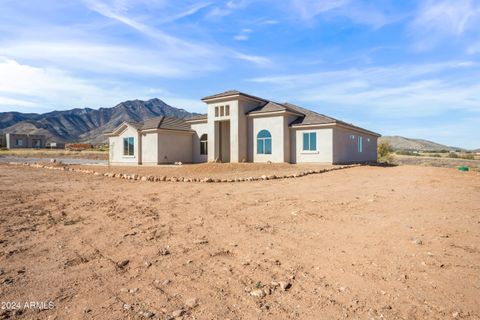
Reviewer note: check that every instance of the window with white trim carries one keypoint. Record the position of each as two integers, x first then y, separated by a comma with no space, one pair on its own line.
264,142
128,146
204,144
309,141
360,144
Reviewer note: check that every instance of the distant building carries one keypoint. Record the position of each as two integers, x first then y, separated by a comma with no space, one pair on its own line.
18,140
56,145
3,143
239,127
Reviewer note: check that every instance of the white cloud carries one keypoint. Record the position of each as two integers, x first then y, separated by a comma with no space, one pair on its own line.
228,8
109,59
474,48
394,91
355,11
180,48
241,37
438,20
39,88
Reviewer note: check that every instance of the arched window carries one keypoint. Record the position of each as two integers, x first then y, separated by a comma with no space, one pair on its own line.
204,144
264,142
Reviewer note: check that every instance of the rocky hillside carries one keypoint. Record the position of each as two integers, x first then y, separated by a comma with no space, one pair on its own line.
86,125
402,143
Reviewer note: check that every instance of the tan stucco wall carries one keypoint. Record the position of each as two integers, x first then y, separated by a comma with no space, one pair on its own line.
323,154
345,149
27,140
175,146
213,146
116,148
200,129
244,129
239,130
149,148
276,126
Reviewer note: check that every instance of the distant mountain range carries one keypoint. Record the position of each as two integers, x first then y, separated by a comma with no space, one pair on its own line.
86,125
402,143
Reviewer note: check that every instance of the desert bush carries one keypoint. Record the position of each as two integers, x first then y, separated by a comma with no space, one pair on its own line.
453,155
436,155
468,156
78,146
384,151
407,153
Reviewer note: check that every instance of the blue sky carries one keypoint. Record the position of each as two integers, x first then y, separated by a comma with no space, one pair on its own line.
408,68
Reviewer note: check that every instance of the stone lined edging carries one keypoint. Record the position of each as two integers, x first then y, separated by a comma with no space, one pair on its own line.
137,177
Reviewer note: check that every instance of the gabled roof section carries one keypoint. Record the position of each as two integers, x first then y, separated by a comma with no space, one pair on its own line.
230,93
274,107
168,123
313,118
163,122
197,118
310,117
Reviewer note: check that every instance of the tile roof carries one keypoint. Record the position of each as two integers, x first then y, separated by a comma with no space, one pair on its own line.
308,117
199,117
169,123
163,122
229,93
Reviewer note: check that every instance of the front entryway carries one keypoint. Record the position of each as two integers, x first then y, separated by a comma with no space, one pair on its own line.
224,141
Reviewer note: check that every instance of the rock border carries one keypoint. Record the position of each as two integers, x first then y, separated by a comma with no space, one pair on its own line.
151,178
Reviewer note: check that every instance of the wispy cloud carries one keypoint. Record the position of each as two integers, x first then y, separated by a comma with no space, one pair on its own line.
34,87
188,12
393,91
228,8
438,20
182,47
108,59
243,35
41,89
355,11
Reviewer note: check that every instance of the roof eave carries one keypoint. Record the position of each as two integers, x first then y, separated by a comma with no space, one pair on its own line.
267,113
344,125
233,95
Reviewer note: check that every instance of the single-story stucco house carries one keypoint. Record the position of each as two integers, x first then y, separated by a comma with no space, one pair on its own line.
19,140
239,127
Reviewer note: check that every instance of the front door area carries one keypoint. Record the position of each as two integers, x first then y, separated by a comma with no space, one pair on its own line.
224,141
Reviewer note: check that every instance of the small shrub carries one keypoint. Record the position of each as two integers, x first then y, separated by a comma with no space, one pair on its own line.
436,155
453,155
407,153
468,156
384,151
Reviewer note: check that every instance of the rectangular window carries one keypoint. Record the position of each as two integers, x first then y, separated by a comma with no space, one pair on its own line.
128,146
310,141
227,110
222,111
19,142
260,146
360,144
216,111
203,148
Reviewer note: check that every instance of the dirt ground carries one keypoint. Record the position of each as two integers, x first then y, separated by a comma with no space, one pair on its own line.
365,242
55,153
210,170
436,162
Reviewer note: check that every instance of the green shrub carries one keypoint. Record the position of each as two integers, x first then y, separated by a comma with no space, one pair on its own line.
468,156
384,151
407,153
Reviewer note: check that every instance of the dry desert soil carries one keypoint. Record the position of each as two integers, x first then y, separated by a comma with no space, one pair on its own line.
359,243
